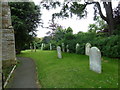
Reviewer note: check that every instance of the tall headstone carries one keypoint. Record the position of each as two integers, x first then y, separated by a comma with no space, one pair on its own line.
42,45
59,52
87,48
95,59
63,47
50,46
77,47
8,40
67,47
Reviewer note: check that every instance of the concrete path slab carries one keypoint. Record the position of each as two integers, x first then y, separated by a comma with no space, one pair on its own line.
25,75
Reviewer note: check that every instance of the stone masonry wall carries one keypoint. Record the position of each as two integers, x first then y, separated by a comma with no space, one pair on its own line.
8,40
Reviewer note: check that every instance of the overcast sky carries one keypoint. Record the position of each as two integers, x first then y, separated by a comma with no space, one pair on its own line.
75,24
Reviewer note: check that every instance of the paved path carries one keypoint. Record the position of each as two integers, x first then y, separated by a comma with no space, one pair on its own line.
25,75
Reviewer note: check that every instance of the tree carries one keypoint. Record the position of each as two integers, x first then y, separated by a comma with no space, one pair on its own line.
116,14
98,26
25,19
69,8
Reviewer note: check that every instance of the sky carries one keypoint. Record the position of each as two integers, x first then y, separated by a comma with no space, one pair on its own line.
76,24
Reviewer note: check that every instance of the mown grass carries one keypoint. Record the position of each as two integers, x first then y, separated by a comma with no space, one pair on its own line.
72,71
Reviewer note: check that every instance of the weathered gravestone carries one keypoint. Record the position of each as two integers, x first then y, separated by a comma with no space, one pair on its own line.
87,48
59,52
95,59
67,47
63,47
50,46
77,47
42,46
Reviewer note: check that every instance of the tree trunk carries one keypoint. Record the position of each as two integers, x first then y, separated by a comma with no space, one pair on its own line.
109,16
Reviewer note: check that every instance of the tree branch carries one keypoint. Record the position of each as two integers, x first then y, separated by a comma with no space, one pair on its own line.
99,8
100,12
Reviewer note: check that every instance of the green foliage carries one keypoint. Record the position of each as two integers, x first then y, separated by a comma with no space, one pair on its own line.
98,26
25,19
109,46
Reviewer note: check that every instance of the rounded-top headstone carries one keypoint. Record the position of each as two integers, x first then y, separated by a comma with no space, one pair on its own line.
95,59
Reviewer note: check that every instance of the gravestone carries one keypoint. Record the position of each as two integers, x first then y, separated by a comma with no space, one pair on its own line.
67,47
50,46
95,59
42,45
63,47
59,52
87,48
77,47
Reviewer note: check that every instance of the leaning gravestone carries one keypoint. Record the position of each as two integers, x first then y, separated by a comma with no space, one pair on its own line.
95,59
67,48
87,48
77,46
63,47
59,52
50,46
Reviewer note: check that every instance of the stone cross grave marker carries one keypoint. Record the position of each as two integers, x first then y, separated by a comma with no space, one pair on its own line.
87,48
63,47
59,52
77,46
95,59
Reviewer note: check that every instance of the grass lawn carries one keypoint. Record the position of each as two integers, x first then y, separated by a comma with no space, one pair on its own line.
72,71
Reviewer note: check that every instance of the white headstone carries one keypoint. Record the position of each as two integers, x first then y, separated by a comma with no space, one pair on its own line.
87,48
77,46
59,52
42,46
63,47
67,48
95,59
50,46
